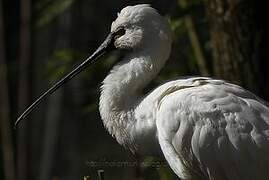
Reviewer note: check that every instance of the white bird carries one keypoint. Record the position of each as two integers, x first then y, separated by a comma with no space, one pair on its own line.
205,128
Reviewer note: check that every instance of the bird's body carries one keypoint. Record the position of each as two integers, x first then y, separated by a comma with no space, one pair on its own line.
205,128
210,129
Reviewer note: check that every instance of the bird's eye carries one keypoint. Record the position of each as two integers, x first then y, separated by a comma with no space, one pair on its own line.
120,32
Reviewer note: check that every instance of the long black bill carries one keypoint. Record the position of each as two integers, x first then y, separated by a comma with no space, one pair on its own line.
106,46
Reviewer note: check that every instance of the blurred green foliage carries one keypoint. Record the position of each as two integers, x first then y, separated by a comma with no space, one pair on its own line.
48,10
188,3
178,27
61,62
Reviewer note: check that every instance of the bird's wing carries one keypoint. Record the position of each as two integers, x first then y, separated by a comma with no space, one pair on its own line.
212,129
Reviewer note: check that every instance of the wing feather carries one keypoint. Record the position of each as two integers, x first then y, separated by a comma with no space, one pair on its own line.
217,130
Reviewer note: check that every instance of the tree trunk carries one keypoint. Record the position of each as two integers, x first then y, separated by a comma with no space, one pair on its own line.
24,85
5,123
52,130
235,42
51,136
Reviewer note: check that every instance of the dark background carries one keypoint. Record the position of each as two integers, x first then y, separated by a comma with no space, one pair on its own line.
41,40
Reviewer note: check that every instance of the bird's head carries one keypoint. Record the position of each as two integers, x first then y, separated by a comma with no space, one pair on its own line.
140,27
137,28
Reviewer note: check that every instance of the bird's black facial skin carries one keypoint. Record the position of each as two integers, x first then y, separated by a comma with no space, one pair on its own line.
105,47
119,32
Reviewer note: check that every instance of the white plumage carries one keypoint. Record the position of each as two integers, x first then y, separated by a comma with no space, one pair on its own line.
205,128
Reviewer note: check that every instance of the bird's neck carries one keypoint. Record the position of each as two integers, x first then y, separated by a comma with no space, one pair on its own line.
121,94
